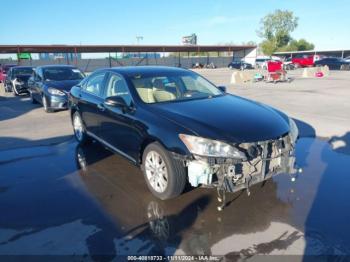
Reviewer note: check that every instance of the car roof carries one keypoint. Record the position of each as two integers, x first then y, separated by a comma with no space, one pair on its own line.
52,66
22,67
134,70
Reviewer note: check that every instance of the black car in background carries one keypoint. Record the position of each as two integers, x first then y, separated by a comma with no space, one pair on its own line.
17,79
50,85
334,63
240,65
180,127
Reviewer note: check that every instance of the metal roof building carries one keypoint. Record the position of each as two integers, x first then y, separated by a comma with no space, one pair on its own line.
121,48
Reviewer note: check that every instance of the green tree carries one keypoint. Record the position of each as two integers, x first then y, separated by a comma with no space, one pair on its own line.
275,29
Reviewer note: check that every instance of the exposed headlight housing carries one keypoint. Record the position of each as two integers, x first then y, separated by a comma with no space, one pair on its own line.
210,148
54,91
294,132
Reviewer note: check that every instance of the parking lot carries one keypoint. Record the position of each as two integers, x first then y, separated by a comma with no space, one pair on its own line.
59,198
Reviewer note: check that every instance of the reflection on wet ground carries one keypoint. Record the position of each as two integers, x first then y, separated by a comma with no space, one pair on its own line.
64,199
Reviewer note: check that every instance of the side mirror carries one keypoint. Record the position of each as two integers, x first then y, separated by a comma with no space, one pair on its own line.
115,101
222,88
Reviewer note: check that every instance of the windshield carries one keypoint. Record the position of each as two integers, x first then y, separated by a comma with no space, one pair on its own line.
62,73
173,87
22,71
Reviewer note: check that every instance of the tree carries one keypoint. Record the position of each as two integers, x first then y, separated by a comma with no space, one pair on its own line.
301,45
275,29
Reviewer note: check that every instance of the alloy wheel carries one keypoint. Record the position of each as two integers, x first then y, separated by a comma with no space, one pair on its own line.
156,171
78,127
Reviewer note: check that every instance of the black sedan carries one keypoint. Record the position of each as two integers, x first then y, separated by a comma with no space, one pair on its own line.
179,127
334,63
50,85
240,65
17,79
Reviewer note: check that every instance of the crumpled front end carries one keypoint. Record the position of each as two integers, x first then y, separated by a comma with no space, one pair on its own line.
263,160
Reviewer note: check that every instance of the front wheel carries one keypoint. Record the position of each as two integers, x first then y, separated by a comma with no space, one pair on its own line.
164,175
32,99
79,129
15,90
45,105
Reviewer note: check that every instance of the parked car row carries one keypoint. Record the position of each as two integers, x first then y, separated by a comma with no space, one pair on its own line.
47,85
297,61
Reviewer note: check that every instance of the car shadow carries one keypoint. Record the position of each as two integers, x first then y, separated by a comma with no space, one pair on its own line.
15,106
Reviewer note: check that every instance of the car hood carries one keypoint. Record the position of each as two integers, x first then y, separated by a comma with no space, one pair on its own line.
65,85
227,118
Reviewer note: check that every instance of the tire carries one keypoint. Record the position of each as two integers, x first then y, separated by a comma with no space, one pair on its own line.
44,102
32,99
176,175
79,131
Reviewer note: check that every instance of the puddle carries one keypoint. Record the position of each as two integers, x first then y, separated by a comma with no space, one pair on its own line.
103,201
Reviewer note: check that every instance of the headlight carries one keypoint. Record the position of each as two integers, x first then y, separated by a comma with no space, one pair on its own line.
54,91
294,132
212,148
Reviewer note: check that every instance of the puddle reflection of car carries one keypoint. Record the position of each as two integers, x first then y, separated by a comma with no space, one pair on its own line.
50,85
178,127
186,223
17,79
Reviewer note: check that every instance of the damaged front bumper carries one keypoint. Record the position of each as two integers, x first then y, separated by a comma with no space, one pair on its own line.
264,160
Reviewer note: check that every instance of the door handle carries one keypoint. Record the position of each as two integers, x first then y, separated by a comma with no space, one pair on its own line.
101,107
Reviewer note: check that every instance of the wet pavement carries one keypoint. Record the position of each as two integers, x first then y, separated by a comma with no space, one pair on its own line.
62,199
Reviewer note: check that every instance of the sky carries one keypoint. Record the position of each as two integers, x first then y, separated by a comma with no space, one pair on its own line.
324,23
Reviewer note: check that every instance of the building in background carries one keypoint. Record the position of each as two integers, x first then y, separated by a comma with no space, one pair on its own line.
189,40
57,56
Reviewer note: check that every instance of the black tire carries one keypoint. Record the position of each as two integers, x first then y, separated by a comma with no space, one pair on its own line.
177,175
32,99
84,139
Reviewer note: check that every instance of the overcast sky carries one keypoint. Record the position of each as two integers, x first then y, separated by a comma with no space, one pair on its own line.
325,23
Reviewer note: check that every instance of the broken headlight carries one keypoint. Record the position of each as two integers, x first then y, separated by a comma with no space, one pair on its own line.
210,148
293,132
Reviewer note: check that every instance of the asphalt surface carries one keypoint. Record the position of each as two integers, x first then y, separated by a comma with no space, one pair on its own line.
57,198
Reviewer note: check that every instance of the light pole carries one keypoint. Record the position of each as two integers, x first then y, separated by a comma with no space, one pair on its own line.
138,39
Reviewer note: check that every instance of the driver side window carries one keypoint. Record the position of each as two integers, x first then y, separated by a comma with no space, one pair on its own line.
117,86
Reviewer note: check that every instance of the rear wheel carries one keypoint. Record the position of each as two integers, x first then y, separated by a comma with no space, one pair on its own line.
164,175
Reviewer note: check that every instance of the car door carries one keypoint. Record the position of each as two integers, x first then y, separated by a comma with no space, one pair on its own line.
90,102
119,127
